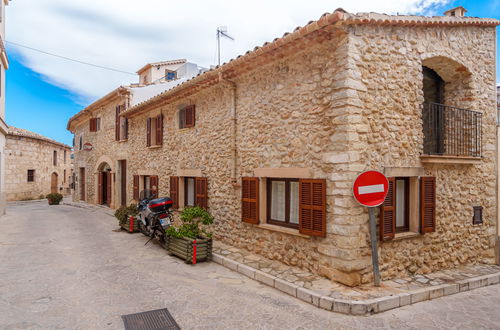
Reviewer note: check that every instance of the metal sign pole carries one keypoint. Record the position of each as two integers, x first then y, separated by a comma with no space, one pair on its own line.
373,238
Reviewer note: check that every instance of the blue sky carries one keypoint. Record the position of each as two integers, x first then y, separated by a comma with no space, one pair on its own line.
42,92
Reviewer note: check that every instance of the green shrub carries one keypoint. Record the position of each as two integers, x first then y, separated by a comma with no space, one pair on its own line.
54,198
124,212
193,221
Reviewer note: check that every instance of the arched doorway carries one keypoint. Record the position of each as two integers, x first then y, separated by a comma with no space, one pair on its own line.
104,184
53,183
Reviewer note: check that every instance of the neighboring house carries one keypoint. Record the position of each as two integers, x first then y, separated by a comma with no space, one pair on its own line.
35,165
272,141
4,65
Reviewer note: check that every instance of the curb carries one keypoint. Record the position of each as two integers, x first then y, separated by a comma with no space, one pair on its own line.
358,307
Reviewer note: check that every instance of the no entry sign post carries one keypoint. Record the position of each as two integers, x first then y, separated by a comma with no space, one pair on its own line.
370,189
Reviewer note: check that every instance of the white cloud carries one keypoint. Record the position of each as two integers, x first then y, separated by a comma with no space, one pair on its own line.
126,34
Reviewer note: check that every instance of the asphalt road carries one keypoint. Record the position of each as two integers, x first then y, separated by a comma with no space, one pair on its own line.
63,267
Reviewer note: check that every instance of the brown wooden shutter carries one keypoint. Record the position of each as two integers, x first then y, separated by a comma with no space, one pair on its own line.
387,224
190,115
154,183
159,130
91,122
250,200
136,188
117,123
99,188
201,191
312,207
174,191
148,133
126,129
427,204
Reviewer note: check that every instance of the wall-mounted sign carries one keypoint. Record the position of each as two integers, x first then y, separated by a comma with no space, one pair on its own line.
88,147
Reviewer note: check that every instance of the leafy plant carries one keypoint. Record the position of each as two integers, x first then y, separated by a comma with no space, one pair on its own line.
124,212
193,221
54,198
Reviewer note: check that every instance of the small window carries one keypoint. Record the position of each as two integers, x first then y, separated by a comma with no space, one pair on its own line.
402,205
64,176
95,124
170,75
283,202
80,145
187,117
31,175
477,218
64,156
54,158
154,132
189,187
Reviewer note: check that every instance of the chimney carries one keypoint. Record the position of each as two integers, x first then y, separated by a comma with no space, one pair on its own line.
456,12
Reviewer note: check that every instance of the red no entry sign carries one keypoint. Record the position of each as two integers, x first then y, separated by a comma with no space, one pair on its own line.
370,188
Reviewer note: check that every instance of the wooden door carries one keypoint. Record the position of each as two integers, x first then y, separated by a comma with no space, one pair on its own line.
82,183
123,181
53,183
108,188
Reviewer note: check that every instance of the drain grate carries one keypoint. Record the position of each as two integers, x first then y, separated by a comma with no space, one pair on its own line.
159,319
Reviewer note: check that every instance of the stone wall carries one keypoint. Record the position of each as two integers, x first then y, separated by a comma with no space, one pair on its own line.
23,154
349,103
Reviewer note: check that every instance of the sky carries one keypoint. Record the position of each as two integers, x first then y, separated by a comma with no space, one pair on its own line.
43,92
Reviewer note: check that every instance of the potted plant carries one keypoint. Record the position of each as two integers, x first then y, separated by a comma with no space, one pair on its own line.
126,217
54,198
191,241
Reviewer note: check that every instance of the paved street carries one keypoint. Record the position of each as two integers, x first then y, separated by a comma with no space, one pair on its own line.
63,267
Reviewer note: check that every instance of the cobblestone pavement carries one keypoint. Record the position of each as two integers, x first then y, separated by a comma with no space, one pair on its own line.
325,287
63,267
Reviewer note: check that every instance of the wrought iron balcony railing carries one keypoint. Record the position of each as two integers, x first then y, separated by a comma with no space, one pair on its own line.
451,131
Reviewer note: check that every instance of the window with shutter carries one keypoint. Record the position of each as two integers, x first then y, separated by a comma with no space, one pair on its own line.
92,125
174,191
427,204
136,188
201,192
312,207
148,132
117,122
159,130
154,185
250,200
387,225
190,116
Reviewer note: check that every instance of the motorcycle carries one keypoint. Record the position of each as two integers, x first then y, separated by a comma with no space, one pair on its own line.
154,215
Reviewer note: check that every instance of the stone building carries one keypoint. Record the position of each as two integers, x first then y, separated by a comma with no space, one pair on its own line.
35,165
272,141
4,65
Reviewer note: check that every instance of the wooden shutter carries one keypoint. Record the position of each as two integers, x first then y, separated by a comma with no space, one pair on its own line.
159,129
387,224
250,200
190,116
154,183
99,188
136,188
92,125
117,123
312,207
427,204
174,191
125,127
148,133
201,191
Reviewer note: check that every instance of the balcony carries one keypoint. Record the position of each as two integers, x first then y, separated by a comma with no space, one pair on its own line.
451,133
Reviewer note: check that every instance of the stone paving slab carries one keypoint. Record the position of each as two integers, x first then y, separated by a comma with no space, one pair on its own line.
361,300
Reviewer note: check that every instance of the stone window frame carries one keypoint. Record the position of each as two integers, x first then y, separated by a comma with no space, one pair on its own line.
263,174
412,175
182,174
31,175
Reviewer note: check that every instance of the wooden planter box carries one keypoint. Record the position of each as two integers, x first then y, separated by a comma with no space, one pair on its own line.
191,250
131,225
51,202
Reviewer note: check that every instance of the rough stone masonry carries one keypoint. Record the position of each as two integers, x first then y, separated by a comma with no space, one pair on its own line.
339,96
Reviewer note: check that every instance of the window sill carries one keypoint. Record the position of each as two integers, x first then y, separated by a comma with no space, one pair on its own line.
155,147
435,159
405,235
281,229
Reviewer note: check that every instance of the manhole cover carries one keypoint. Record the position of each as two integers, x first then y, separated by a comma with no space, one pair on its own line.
159,319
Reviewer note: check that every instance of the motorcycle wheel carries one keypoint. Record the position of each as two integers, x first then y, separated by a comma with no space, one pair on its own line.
143,228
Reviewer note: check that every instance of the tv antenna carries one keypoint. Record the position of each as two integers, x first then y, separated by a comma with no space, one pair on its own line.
221,32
